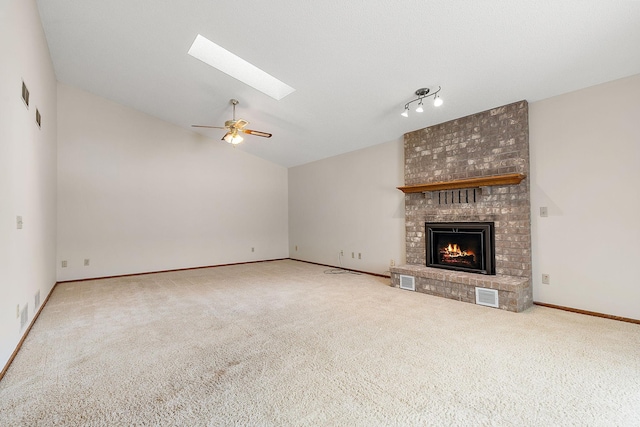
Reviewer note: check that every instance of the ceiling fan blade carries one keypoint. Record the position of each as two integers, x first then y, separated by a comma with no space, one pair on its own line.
240,123
225,135
256,133
204,126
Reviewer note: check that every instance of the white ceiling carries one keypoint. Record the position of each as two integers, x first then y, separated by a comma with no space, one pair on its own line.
354,64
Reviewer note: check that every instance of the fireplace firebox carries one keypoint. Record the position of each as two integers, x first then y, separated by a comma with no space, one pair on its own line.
463,246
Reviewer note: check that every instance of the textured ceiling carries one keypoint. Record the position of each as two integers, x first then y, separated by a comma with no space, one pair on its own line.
354,64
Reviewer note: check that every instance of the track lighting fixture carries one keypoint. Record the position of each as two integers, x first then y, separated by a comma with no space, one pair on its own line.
421,94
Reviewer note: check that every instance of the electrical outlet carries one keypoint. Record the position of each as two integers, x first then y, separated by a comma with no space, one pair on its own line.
546,279
64,264
544,211
19,222
392,262
341,252
296,248
86,262
359,255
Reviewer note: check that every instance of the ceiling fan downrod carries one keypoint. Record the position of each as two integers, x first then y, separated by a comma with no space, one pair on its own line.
234,102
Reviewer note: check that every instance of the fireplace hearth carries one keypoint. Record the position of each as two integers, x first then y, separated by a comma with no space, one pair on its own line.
461,246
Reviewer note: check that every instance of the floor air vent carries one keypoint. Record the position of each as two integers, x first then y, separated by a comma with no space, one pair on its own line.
488,297
407,282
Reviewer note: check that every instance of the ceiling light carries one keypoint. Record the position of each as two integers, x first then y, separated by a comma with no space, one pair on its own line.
422,94
233,138
218,57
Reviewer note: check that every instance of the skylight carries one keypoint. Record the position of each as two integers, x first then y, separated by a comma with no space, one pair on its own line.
218,57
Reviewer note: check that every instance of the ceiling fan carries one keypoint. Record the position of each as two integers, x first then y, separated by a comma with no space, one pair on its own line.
234,127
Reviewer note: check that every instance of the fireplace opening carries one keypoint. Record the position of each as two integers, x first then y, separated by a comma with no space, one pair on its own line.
463,246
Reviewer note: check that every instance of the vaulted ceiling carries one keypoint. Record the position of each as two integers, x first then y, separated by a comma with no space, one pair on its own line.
354,64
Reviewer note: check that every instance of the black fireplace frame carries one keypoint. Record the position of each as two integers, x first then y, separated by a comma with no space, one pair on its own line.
486,230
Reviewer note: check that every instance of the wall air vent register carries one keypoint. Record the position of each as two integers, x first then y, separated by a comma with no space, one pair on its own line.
407,282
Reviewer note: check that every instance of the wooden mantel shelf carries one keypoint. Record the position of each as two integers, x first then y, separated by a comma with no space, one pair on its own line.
484,181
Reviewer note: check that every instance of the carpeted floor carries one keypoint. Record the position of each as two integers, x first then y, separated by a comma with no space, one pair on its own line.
282,343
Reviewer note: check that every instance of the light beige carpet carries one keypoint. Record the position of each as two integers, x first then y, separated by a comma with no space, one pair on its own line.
282,343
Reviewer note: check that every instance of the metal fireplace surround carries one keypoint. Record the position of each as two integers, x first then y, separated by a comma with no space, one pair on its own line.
461,246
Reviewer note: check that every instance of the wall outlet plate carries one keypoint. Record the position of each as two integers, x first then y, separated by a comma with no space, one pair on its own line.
546,279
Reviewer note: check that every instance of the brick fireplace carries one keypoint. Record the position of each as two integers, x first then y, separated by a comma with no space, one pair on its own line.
471,169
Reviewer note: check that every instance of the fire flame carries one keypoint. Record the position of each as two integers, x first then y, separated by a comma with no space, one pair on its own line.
453,250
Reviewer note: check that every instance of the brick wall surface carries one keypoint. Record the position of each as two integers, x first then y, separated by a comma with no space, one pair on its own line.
490,143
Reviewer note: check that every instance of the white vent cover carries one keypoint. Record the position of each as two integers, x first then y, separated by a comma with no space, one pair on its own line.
407,282
488,297
24,316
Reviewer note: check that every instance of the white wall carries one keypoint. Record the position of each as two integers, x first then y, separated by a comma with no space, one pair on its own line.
350,203
27,169
136,194
585,167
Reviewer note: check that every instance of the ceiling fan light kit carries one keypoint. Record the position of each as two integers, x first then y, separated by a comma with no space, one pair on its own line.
233,127
233,138
421,94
